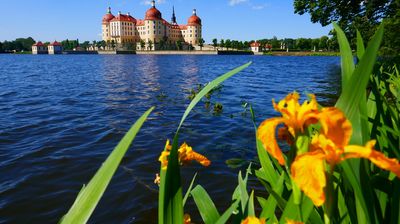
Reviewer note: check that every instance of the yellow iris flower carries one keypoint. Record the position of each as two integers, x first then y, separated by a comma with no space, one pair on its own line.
253,220
185,153
331,147
296,117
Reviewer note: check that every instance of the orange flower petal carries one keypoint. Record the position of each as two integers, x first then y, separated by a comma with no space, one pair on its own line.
335,126
308,112
266,133
308,172
378,158
332,153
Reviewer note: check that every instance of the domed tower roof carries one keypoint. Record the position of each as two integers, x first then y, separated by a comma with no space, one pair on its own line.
153,13
194,20
108,17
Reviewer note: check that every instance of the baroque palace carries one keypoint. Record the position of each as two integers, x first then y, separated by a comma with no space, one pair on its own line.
151,33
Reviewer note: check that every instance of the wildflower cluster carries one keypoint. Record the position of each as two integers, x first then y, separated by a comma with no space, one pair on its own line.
325,148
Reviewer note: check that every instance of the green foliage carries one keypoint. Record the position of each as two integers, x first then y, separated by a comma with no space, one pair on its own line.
359,14
90,194
170,208
18,45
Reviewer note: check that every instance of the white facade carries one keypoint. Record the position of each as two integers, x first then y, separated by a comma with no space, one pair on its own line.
151,33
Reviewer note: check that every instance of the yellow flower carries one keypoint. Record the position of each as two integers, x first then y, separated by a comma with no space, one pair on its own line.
331,147
253,220
185,155
295,117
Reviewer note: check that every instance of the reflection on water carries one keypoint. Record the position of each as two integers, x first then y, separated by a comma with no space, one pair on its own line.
62,115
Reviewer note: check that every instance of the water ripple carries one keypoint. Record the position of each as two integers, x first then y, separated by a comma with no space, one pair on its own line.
62,115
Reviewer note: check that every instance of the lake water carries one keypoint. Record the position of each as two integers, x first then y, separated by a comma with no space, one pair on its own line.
60,117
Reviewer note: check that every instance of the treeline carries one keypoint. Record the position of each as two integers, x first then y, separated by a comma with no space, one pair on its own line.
25,44
323,43
17,45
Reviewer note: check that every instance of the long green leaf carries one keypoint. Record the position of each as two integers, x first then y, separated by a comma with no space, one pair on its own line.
228,213
354,92
170,197
207,209
347,58
208,88
360,46
90,195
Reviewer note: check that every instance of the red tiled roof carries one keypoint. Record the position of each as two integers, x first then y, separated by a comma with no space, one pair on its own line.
153,14
194,20
255,44
39,44
139,22
108,17
182,27
125,18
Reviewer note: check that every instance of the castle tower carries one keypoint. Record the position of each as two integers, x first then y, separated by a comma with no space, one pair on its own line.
106,33
193,33
173,19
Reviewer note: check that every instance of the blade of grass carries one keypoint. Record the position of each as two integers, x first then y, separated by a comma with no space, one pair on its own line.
189,190
360,46
205,205
90,195
250,205
208,88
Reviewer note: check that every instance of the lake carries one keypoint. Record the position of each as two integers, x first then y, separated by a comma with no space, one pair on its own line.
61,115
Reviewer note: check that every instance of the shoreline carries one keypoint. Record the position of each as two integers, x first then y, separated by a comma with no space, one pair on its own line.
204,52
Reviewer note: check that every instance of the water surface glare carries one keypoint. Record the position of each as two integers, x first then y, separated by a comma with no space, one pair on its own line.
60,117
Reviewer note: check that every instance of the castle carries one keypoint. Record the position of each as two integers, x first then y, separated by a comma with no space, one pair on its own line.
151,33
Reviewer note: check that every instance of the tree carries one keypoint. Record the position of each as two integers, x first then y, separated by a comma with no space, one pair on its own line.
275,42
315,43
215,43
228,44
351,15
326,12
150,44
323,43
113,44
201,43
303,44
142,45
178,44
222,44
1,47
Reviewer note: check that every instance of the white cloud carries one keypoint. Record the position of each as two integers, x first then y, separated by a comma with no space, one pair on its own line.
236,2
148,2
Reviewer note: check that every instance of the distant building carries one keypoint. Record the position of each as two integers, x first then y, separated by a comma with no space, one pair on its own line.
255,47
55,48
39,48
151,33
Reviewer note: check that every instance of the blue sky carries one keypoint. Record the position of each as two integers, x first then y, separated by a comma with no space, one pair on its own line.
49,20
